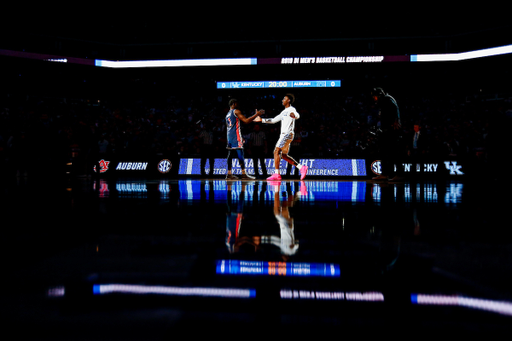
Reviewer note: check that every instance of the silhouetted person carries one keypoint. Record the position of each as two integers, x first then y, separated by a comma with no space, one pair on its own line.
258,143
207,150
389,138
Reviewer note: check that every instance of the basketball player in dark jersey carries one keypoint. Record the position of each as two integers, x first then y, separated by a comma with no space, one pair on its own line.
235,141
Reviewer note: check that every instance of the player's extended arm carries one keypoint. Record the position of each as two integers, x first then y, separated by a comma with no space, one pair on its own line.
274,120
247,120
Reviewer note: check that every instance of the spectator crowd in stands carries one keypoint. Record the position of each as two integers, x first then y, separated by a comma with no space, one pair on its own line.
50,131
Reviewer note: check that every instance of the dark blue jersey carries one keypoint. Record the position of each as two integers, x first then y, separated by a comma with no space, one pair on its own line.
234,132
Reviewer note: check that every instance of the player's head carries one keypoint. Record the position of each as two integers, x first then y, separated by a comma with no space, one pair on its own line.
233,102
290,98
377,93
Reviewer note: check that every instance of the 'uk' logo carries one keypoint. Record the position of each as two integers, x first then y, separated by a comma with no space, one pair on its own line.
453,168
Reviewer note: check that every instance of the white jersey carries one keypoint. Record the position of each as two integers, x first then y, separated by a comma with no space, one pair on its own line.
287,122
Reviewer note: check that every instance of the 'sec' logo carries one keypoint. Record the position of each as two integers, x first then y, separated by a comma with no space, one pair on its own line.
376,167
164,166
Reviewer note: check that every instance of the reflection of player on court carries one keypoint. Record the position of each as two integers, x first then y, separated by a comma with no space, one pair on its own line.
235,139
285,241
390,221
234,216
287,118
235,241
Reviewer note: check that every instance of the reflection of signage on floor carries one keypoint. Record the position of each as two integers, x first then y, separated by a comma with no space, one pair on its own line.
316,167
452,166
242,267
328,190
371,296
353,191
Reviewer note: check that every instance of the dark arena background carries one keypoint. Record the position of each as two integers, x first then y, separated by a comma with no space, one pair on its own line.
116,227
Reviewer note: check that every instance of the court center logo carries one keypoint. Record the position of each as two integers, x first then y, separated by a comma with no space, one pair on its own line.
376,167
164,166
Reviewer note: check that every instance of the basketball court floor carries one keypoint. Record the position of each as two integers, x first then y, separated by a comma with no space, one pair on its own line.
110,258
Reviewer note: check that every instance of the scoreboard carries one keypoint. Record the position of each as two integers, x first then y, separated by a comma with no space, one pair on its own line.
280,84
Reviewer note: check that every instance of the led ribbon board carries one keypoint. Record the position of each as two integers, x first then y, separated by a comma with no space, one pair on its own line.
489,52
450,57
279,84
134,166
316,167
175,62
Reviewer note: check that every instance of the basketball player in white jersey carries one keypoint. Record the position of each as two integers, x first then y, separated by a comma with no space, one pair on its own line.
287,118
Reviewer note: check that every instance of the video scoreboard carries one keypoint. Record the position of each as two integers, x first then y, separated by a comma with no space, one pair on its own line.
280,84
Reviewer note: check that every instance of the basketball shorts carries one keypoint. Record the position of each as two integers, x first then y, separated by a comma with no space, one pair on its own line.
284,142
234,142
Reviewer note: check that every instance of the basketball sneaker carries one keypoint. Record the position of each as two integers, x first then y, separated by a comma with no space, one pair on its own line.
274,177
246,177
303,172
